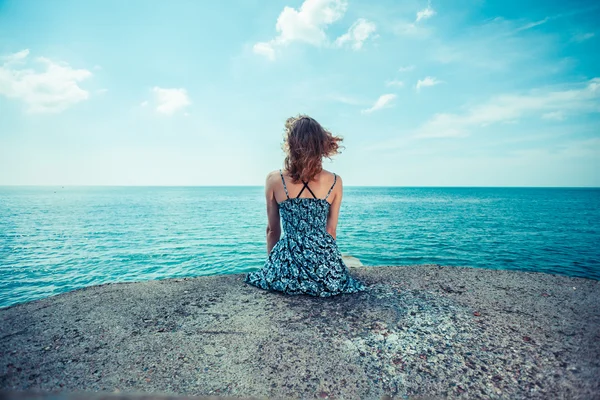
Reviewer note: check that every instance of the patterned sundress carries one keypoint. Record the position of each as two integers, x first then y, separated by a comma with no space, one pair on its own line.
306,260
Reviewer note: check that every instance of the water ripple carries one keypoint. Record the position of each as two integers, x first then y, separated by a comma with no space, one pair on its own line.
54,240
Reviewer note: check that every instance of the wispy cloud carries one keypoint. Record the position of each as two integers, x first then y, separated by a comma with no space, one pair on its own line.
533,24
510,108
395,83
307,25
426,82
168,101
383,101
360,31
496,45
554,116
265,49
406,68
15,57
426,13
582,37
52,89
404,28
415,28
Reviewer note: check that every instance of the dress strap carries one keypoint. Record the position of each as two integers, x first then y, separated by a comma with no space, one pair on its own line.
307,187
331,188
284,187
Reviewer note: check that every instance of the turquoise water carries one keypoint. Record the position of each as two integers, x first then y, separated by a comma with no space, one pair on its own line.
57,239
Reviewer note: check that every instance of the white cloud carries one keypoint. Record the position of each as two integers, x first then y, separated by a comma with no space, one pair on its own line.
16,57
305,25
425,13
427,81
144,104
50,89
394,83
510,108
168,101
406,68
382,102
357,34
264,49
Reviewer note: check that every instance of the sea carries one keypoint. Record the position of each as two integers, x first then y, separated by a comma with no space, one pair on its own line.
57,239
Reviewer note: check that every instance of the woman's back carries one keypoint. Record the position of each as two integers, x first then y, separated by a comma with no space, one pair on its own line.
319,187
307,200
302,215
317,201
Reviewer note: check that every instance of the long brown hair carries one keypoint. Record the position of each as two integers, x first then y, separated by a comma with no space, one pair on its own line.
306,142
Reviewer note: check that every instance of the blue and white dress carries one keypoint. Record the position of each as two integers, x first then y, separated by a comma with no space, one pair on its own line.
306,260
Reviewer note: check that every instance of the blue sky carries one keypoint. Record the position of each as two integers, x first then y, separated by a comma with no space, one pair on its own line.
452,93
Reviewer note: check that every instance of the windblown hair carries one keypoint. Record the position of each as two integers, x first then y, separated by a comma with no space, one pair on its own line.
306,143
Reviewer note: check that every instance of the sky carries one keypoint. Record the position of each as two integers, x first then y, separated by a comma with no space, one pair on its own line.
438,93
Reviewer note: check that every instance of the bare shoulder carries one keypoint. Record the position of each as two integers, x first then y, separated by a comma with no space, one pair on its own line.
337,179
339,185
329,174
273,174
272,177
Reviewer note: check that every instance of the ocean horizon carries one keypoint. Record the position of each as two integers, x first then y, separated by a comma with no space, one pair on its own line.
55,239
261,186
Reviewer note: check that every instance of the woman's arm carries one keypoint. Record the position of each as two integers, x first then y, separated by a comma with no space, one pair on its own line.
334,209
273,224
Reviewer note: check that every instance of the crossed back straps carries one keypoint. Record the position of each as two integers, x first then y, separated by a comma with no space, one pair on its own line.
306,187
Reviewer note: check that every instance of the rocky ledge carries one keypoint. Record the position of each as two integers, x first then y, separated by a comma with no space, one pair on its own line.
418,331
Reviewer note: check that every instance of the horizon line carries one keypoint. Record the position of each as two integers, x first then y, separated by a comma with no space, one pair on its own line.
262,186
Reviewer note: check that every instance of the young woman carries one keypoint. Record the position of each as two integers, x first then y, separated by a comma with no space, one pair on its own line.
306,260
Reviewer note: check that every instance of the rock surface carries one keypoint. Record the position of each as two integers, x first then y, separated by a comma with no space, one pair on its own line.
417,331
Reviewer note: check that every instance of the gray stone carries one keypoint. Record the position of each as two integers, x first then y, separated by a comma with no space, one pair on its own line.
495,334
